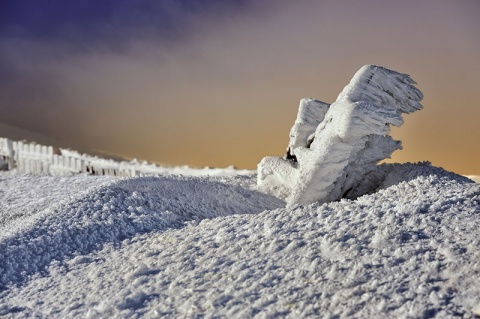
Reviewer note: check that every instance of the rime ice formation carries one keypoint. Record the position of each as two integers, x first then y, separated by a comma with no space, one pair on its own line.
36,159
334,149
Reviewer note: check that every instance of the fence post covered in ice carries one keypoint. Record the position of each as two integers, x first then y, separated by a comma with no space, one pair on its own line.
32,158
7,161
334,148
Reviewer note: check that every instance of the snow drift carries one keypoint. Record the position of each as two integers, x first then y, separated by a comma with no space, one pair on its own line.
170,247
113,213
334,149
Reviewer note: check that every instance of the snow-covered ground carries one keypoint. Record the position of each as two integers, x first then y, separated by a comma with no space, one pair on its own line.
213,246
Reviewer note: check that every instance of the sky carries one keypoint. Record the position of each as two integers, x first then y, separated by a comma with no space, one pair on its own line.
217,83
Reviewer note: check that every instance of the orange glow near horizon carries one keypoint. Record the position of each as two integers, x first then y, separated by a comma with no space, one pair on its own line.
229,95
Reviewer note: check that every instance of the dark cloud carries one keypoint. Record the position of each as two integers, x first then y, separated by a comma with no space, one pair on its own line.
113,21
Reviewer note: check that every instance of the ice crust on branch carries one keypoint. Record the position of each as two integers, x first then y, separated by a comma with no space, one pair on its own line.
334,149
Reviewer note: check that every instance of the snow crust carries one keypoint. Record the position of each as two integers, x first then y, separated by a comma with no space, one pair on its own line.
190,247
333,149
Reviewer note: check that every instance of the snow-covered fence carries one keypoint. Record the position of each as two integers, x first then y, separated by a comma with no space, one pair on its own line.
30,158
108,167
64,165
7,162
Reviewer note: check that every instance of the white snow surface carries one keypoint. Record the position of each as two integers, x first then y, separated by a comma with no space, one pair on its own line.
215,247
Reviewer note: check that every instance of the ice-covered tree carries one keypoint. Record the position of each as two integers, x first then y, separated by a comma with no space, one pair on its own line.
334,149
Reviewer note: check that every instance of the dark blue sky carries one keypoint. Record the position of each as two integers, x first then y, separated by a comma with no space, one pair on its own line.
84,22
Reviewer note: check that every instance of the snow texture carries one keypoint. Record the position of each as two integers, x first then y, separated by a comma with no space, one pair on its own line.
334,149
213,247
